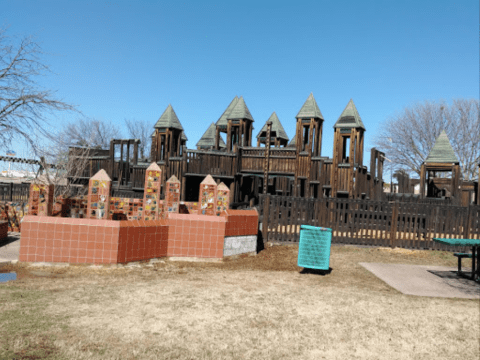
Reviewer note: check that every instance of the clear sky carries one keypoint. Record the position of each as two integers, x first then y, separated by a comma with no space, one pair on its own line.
130,59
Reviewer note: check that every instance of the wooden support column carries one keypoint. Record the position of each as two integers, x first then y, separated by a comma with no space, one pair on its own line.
373,169
351,158
298,145
336,154
267,158
422,181
184,171
217,138
112,158
135,152
229,137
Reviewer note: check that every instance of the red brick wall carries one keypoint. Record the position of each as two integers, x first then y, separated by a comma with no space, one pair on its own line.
49,239
195,235
241,222
140,240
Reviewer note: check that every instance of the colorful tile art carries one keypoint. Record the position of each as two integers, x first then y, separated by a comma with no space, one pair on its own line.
187,207
207,197
13,214
172,195
151,197
99,196
223,198
125,209
78,206
40,200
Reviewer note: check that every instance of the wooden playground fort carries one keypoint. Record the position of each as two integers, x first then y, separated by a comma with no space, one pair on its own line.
288,168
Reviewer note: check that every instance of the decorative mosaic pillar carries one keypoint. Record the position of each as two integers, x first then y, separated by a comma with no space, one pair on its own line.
223,198
40,201
99,196
207,197
151,197
172,195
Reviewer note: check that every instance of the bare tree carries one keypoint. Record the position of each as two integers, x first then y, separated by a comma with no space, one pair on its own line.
23,103
408,137
91,133
142,130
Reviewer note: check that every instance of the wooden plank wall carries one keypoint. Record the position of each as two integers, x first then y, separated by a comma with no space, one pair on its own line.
365,222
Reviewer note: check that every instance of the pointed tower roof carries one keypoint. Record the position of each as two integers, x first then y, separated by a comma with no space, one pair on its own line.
442,151
169,120
101,175
173,179
293,142
208,138
223,119
153,166
276,126
349,118
223,187
240,111
208,180
310,109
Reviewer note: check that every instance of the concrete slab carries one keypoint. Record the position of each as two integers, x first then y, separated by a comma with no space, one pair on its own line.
425,280
10,248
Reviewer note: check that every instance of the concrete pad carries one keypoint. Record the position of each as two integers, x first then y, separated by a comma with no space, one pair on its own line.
425,280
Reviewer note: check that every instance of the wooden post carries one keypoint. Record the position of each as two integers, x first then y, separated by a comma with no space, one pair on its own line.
229,137
373,169
135,152
217,138
112,158
184,171
394,222
11,191
266,215
466,229
267,158
422,181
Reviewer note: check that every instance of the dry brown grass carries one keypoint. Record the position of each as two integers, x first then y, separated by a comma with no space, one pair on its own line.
258,307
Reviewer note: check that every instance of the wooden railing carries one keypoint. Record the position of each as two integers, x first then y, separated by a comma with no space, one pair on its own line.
14,192
213,163
365,222
282,160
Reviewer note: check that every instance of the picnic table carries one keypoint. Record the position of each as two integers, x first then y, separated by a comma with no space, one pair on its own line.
475,255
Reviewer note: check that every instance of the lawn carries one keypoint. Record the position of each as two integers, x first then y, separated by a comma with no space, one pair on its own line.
259,307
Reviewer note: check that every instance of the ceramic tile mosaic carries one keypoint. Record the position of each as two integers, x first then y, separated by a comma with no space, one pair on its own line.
207,196
12,213
188,207
99,196
172,195
78,206
40,200
151,197
223,198
125,209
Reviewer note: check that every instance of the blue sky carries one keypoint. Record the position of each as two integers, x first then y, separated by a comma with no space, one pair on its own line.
130,59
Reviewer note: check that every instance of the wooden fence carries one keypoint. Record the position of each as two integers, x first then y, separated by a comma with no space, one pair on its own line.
365,222
14,192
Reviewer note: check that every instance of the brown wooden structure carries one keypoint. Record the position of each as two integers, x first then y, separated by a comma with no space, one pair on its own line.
292,171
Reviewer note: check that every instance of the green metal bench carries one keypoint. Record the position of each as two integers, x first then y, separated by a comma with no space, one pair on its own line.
475,255
461,256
